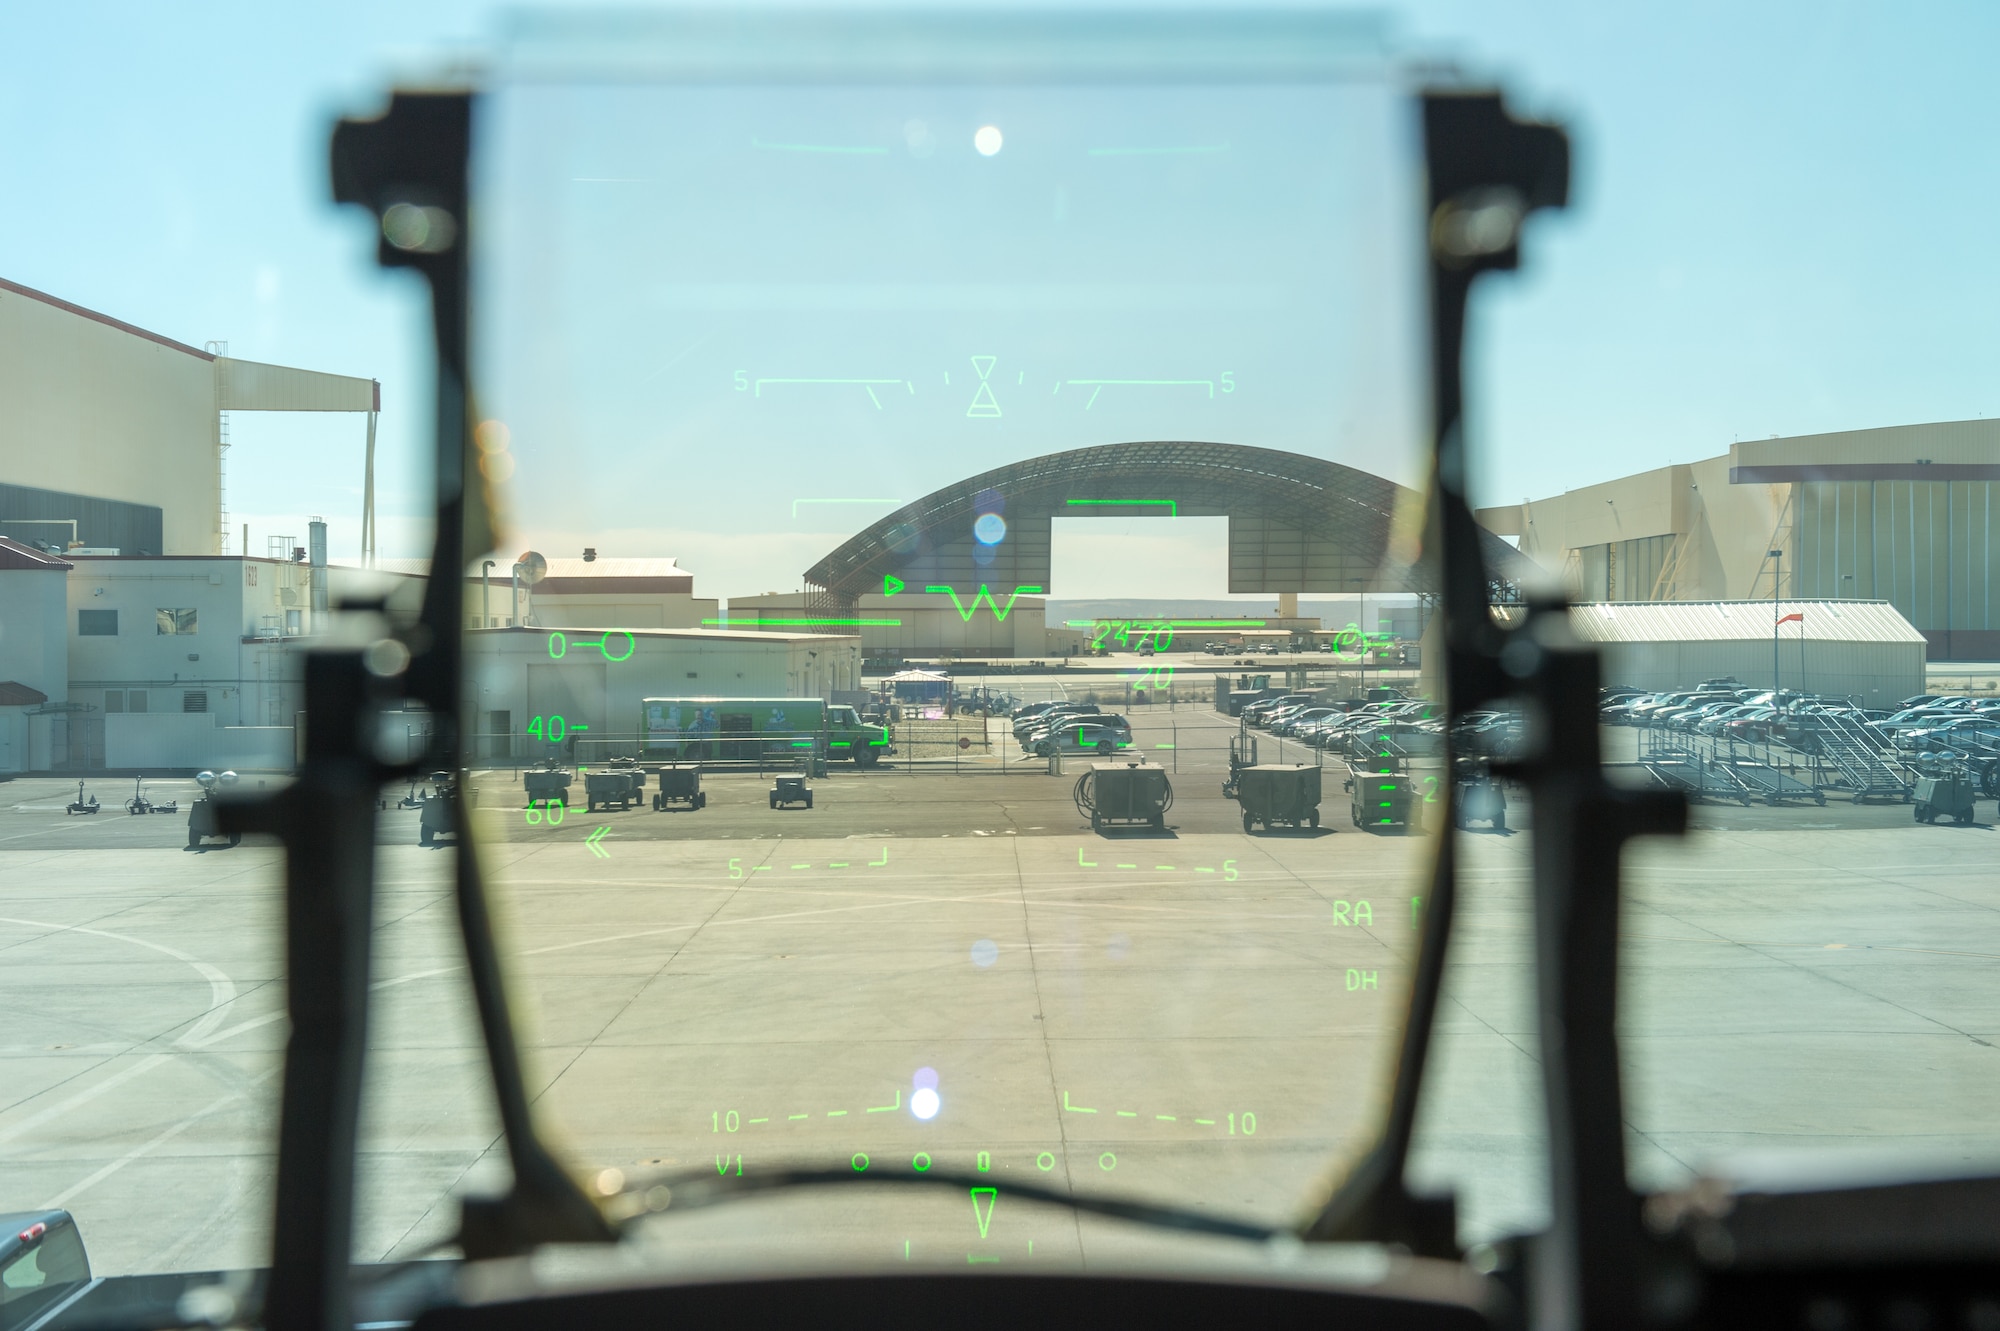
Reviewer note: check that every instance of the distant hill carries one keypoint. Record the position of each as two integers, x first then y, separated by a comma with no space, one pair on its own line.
1335,612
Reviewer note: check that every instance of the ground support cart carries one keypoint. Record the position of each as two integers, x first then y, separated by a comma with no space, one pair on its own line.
1944,795
440,811
621,783
202,823
202,819
548,785
790,790
1127,793
1478,798
1274,794
1378,801
679,783
1242,754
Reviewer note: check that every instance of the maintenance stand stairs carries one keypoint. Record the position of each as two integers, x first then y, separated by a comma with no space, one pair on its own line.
1862,765
1717,769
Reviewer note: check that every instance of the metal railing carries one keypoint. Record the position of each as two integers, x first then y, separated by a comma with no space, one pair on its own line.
1819,751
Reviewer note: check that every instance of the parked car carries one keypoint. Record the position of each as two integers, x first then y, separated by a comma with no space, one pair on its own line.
1291,722
1062,723
1257,713
1984,731
1275,715
1055,710
1753,724
1086,736
1713,721
1912,718
1624,713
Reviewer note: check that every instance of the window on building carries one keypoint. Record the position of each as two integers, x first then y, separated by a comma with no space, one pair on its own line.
135,700
114,700
97,623
194,700
173,623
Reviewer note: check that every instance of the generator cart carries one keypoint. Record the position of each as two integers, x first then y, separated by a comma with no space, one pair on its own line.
1277,794
679,783
1129,793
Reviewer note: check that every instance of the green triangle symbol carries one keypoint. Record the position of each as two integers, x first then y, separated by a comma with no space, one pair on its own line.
983,404
984,364
891,584
984,1217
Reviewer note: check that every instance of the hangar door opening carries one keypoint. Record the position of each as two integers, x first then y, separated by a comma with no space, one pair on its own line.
1155,558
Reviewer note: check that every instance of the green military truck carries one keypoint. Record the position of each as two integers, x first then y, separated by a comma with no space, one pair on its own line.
754,729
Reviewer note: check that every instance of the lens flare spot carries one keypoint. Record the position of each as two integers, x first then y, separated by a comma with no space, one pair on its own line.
924,1103
985,952
991,529
987,140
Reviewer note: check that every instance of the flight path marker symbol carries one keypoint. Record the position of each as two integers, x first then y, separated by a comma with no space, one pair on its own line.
985,1216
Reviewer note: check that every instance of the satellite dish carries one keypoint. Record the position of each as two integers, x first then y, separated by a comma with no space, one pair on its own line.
531,568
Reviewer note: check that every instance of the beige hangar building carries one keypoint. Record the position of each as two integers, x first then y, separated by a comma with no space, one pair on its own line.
1902,515
135,635
115,438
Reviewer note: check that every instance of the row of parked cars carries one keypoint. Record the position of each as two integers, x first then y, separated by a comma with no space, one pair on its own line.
1044,728
1719,707
1722,708
1414,725
1935,723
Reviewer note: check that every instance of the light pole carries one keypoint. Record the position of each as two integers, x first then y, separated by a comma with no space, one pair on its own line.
1361,626
486,594
1778,559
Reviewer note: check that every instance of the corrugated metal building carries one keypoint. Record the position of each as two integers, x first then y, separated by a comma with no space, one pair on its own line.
1901,513
1865,650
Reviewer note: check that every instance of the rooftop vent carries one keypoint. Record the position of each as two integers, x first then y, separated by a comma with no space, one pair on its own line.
589,554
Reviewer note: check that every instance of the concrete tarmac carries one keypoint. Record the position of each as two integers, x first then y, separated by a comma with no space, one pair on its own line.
1199,1017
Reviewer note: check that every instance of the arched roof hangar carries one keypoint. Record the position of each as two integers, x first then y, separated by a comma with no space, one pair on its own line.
1296,523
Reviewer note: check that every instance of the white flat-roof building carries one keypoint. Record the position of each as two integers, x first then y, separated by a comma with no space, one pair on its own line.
645,593
1864,650
34,661
596,591
188,662
519,679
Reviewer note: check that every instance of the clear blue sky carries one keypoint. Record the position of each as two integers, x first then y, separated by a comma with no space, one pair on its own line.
1782,221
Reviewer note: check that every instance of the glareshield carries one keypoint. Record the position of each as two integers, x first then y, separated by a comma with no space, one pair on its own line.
952,697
